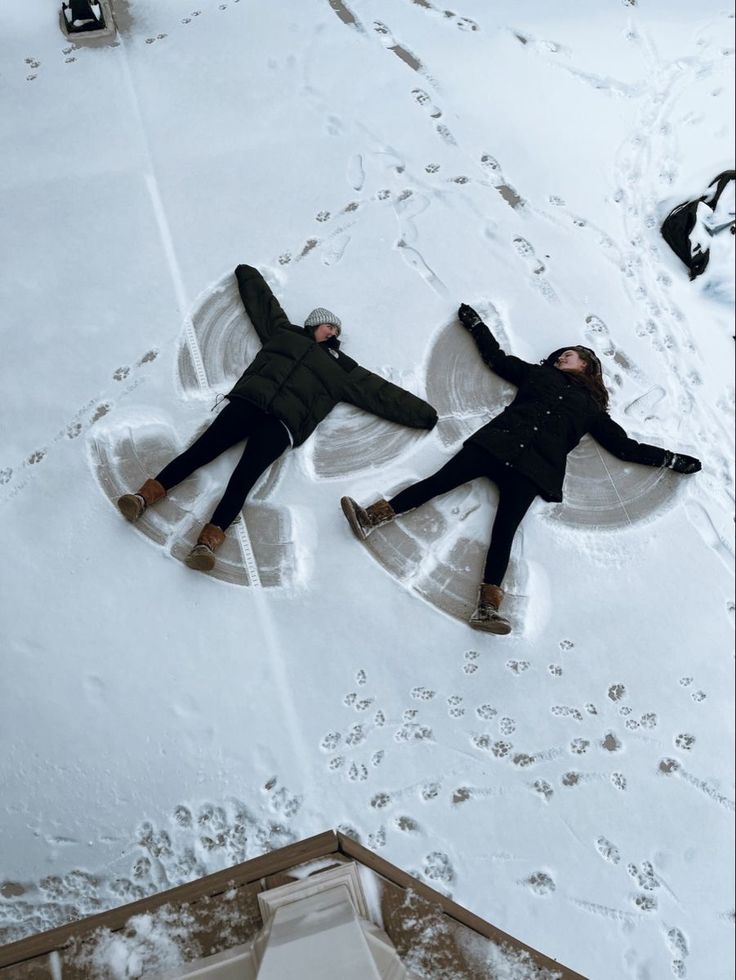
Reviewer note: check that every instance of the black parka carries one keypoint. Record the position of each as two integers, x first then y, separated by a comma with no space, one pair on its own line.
300,381
550,414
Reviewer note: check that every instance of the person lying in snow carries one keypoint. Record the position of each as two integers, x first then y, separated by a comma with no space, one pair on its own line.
293,383
83,15
523,450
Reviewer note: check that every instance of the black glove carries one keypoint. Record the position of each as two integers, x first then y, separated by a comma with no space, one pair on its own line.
468,317
681,463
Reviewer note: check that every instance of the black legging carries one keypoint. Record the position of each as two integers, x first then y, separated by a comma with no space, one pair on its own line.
267,439
516,493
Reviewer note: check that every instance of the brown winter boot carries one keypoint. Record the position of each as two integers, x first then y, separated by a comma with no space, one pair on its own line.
132,505
486,616
202,555
363,520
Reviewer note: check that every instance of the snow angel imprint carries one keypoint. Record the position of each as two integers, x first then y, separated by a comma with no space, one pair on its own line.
291,385
523,450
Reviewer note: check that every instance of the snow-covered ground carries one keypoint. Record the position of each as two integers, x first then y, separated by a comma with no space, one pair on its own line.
572,783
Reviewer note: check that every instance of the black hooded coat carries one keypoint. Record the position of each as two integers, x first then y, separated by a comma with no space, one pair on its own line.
550,414
300,381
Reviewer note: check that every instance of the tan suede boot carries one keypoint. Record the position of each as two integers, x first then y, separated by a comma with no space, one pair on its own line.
202,555
132,505
486,616
363,520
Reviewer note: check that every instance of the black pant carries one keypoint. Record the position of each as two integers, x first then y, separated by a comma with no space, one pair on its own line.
267,439
516,494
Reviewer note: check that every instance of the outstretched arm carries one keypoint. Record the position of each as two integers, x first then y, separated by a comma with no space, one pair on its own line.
383,398
260,303
613,438
507,366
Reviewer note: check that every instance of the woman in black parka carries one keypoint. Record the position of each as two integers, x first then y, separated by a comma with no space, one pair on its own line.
293,382
523,450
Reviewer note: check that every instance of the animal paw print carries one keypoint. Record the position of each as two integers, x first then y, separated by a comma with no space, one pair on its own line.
486,711
555,670
698,696
412,731
432,168
36,457
406,824
358,704
121,373
607,850
544,789
564,711
73,430
437,867
323,216
566,645
507,726
356,736
330,742
517,666
149,356
618,780
422,694
471,662
183,816
284,258
357,773
684,741
380,801
379,719
100,412
6,475
455,707
610,743
616,692
540,883
578,746
361,678
430,791
377,758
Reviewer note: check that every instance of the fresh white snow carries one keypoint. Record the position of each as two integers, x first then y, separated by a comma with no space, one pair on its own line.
388,159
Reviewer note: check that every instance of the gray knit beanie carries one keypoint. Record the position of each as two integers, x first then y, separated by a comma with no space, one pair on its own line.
321,315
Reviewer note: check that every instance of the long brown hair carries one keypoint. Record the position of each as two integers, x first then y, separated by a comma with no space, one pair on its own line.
591,377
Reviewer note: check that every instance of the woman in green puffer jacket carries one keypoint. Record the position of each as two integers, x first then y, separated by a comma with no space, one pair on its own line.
291,385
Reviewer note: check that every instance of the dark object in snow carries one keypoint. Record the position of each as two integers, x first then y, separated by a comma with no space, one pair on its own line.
486,616
523,450
682,463
363,520
202,556
132,505
83,16
679,225
292,384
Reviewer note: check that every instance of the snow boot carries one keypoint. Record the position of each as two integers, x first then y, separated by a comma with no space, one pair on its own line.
363,520
202,555
486,616
132,505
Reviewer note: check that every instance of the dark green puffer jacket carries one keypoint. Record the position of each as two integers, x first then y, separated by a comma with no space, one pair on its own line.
547,419
300,381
